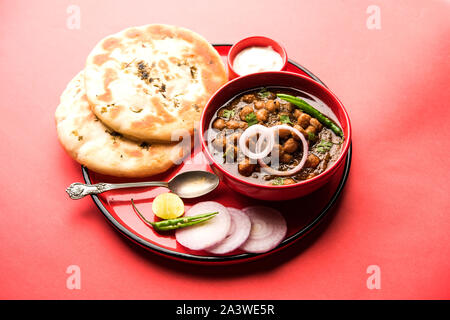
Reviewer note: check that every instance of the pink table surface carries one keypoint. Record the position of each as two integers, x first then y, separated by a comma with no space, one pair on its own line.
394,212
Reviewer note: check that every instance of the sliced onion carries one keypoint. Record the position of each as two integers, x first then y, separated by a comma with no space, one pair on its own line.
302,162
238,234
265,135
208,233
268,229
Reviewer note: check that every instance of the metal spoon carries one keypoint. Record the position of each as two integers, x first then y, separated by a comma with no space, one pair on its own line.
189,184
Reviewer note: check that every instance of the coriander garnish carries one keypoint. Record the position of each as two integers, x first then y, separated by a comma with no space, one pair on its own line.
278,181
251,119
227,114
263,93
284,118
323,146
311,136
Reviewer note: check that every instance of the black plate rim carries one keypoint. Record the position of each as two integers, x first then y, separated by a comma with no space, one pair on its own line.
238,257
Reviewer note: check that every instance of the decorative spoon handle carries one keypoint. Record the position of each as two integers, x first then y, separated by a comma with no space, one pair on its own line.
79,190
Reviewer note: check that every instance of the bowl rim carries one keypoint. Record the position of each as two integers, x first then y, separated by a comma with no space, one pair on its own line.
230,61
320,177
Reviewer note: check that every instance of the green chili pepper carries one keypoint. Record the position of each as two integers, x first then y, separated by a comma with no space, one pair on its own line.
307,108
172,224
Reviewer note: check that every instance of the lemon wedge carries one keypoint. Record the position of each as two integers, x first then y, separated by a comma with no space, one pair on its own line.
168,206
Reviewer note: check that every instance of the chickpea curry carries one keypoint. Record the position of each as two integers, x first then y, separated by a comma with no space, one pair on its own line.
293,122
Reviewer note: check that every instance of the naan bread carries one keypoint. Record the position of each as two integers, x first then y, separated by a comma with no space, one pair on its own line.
92,144
148,82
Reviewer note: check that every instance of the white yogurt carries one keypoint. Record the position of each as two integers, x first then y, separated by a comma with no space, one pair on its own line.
257,59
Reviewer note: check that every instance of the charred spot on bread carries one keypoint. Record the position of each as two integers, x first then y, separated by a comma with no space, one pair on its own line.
144,145
193,70
143,71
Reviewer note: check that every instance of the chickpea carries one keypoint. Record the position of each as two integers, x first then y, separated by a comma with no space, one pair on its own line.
251,143
277,151
316,124
245,167
243,125
259,104
312,161
284,133
271,106
235,152
218,124
219,143
277,104
286,158
310,129
303,120
262,115
297,113
287,107
245,111
232,124
301,131
290,145
311,132
248,98
288,181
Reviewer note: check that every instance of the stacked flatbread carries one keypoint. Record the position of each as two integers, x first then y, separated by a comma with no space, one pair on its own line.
141,90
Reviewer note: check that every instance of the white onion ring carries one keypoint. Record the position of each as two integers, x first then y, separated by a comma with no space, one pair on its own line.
237,235
265,134
208,233
298,167
268,229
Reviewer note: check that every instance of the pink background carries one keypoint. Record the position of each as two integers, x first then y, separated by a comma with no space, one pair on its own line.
394,211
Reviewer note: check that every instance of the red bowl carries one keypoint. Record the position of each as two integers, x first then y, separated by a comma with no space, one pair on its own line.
266,79
257,41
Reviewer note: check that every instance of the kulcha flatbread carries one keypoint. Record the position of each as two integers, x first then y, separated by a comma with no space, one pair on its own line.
150,82
92,144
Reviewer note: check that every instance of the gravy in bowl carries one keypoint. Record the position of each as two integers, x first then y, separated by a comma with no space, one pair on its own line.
282,132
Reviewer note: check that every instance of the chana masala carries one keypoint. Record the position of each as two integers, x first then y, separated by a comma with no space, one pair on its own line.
272,151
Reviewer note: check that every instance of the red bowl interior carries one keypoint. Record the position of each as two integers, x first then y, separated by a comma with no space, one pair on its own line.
256,41
282,79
